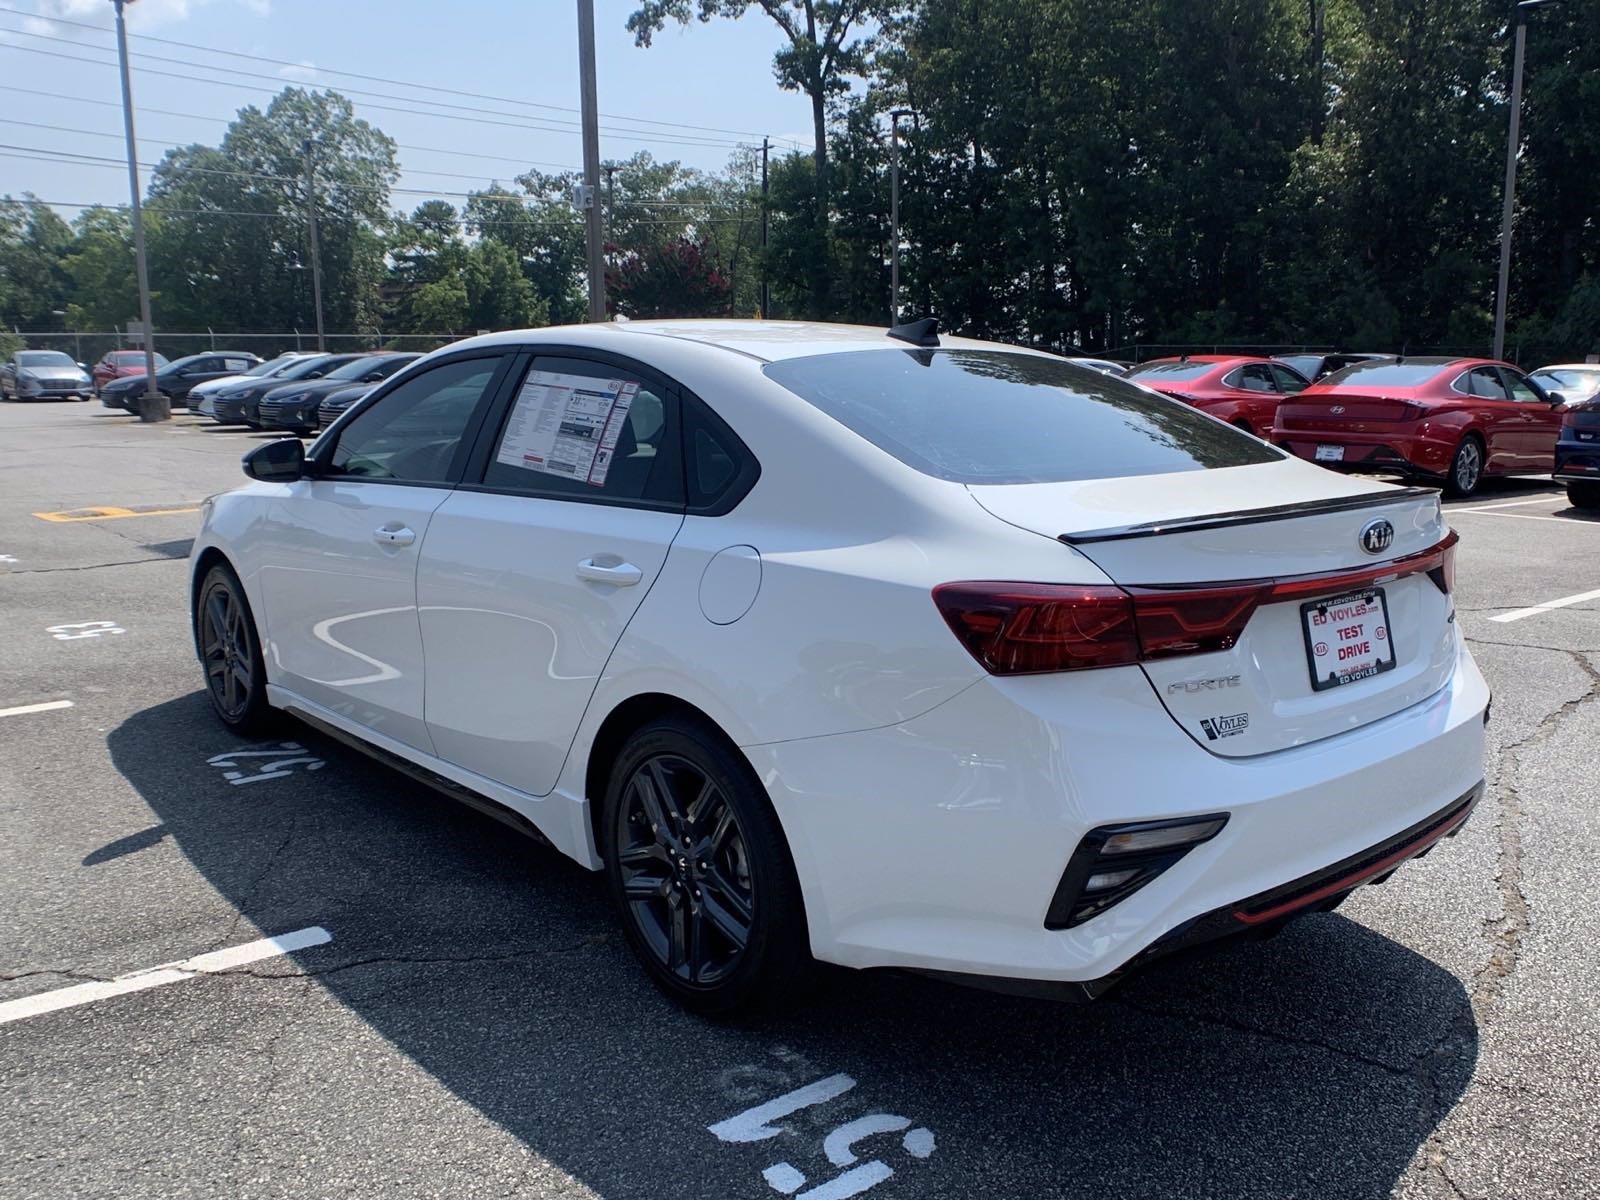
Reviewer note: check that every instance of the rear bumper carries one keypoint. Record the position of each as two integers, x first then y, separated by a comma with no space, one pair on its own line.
1400,448
936,845
1577,462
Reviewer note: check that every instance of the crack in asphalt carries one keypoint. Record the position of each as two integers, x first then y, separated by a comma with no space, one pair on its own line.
132,562
1506,932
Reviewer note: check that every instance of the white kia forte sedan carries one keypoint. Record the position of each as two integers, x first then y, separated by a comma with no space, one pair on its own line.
866,646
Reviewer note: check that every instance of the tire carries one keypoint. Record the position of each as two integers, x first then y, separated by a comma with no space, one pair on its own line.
700,873
1584,494
1466,467
225,639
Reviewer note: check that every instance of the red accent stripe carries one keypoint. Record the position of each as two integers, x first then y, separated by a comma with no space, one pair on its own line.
1356,878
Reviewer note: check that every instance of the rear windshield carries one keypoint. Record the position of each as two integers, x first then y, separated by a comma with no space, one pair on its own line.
1172,370
990,416
1385,374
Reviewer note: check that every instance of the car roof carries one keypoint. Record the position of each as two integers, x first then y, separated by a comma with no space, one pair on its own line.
766,341
1566,367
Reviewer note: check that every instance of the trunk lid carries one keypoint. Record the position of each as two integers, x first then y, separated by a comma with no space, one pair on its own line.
1342,409
1274,524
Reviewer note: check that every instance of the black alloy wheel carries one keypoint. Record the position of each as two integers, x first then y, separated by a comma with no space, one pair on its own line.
700,872
230,652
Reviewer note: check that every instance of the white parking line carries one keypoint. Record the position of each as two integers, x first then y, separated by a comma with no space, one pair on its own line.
1547,606
1567,521
24,709
1507,504
152,977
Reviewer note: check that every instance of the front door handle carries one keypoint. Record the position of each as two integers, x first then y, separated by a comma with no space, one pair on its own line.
393,535
622,574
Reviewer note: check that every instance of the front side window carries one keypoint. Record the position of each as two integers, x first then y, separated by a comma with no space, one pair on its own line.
413,434
1520,391
1000,417
590,431
1485,383
1288,382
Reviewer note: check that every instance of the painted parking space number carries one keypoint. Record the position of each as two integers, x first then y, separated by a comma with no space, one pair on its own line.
275,762
760,1123
84,629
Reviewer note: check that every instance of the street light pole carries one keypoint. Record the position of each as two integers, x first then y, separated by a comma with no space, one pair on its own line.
1512,146
894,212
591,161
153,406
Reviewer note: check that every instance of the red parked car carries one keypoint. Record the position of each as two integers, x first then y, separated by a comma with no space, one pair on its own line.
119,364
1240,390
1455,420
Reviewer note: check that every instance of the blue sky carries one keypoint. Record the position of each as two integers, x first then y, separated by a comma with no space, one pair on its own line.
716,75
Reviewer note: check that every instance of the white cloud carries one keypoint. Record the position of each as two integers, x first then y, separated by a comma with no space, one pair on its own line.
146,14
303,72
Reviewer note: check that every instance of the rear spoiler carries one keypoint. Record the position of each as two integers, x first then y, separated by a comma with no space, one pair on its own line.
1246,516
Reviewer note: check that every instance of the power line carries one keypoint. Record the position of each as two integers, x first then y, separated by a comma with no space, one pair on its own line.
461,220
379,78
167,112
544,124
158,142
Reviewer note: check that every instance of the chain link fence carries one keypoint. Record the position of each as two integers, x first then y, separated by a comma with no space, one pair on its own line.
88,345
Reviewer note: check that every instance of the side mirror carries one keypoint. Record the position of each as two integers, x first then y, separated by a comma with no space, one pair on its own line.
282,461
81,367
372,377
1557,399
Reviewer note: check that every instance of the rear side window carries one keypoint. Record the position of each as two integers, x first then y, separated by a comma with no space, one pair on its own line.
589,431
993,416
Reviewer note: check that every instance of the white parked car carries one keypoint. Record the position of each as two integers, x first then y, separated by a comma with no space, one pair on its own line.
886,650
203,395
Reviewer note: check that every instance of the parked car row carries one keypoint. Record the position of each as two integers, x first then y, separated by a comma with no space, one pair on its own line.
298,391
1449,421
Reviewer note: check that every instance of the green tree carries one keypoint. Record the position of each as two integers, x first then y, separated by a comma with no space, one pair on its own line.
826,47
101,268
499,296
231,250
34,282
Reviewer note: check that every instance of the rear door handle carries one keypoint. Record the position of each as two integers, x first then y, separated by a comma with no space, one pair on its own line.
622,574
393,535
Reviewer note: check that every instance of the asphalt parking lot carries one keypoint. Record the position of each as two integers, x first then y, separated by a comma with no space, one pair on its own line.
455,1013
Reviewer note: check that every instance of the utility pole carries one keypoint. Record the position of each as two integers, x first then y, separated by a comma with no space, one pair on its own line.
1512,146
894,212
153,406
765,143
591,161
316,249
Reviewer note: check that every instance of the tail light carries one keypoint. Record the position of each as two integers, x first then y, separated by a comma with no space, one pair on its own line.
1034,628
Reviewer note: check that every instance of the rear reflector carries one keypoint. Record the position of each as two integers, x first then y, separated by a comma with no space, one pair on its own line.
1032,628
1115,861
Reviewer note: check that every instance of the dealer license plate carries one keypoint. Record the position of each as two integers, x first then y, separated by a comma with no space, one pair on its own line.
1347,638
1330,453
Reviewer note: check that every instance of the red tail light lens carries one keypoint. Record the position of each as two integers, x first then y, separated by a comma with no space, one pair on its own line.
1194,620
1027,628
1031,628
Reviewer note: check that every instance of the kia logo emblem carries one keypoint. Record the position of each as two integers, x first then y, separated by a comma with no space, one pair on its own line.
1336,409
1377,536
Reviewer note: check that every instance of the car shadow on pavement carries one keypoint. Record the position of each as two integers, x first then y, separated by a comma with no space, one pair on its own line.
1315,1064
